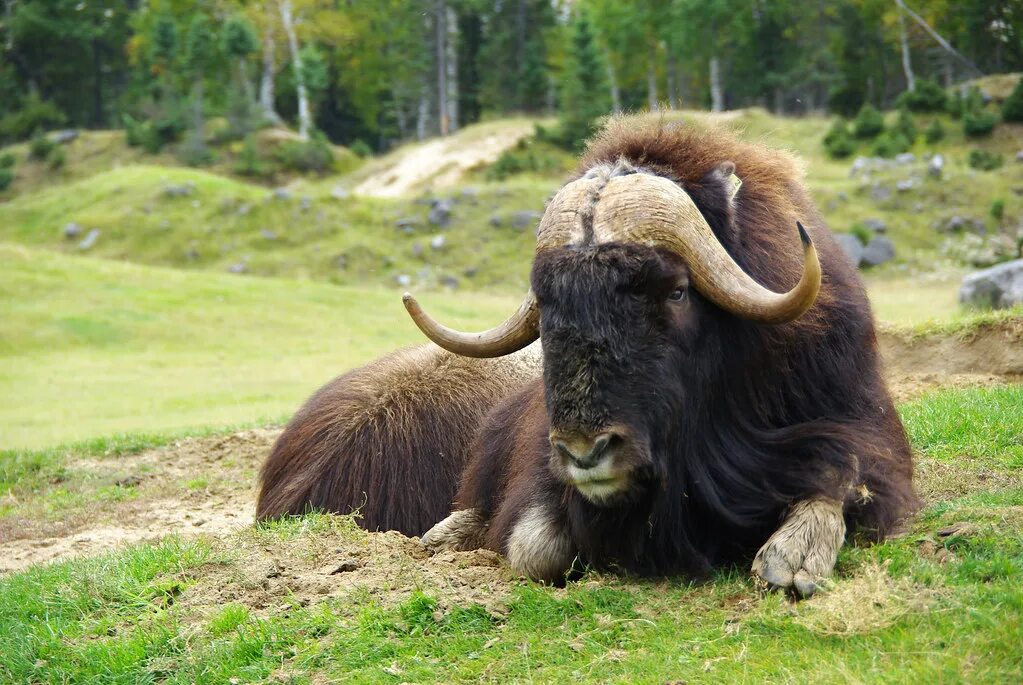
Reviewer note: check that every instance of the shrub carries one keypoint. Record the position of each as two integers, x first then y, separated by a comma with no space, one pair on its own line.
837,142
313,155
8,160
984,160
869,123
961,103
361,148
905,125
889,144
194,151
926,96
935,132
862,233
529,155
6,177
249,161
979,123
154,133
1012,108
998,210
34,115
57,158
40,147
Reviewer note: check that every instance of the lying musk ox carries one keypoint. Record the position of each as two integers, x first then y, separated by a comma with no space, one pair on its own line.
708,390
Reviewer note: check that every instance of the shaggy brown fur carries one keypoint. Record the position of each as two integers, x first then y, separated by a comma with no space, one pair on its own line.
388,439
728,423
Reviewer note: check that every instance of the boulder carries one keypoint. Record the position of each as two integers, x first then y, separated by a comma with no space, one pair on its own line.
999,287
440,213
876,225
525,219
905,158
878,251
64,137
72,230
851,246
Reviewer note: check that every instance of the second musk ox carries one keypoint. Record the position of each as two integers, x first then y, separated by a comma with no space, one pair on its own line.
710,388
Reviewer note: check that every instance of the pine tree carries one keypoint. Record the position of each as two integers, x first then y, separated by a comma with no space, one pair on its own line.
584,93
200,51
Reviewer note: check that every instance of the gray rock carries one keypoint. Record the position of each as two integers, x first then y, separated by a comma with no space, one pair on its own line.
842,196
859,165
880,193
440,213
281,194
905,158
876,225
438,242
999,287
407,224
72,230
306,203
238,268
936,167
471,271
954,223
449,282
417,249
526,219
90,239
339,193
851,246
244,209
64,137
1019,156
404,280
496,220
183,190
906,185
268,234
470,192
878,251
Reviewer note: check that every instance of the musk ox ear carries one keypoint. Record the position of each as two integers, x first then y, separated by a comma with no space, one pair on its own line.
715,195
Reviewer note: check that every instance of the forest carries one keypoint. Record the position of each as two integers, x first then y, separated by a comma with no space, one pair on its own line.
369,74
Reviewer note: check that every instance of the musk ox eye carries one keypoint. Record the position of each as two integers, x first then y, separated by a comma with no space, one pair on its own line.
677,295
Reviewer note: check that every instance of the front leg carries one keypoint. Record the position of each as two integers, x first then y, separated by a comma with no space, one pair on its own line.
463,530
804,549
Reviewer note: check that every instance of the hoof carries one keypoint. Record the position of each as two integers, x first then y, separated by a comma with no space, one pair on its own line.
803,551
462,531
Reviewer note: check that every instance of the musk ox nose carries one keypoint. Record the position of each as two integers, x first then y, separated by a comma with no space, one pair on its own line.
584,450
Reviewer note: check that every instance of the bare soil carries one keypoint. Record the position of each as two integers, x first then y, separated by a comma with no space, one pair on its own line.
207,486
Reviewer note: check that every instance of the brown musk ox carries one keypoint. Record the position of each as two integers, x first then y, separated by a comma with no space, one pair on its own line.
711,388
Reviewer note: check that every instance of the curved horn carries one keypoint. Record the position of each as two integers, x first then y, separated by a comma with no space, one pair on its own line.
517,331
560,224
655,211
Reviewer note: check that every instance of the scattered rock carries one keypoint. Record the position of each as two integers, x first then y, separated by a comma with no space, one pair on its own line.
192,253
525,219
438,242
238,268
1019,157
90,239
72,230
404,280
346,566
281,194
905,185
471,271
305,203
183,190
407,224
449,282
244,209
341,261
440,213
339,193
470,192
65,136
268,234
876,225
936,167
905,158
129,481
417,249
880,193
878,251
851,246
999,287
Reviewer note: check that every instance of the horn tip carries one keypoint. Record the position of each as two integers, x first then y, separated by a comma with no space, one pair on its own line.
803,236
407,297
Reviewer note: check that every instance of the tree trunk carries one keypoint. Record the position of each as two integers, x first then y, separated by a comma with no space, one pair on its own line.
266,81
305,119
451,56
717,100
197,118
612,80
651,86
779,101
422,115
672,82
440,31
907,65
97,88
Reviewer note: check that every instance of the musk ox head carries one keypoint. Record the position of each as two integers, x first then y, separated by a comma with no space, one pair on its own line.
627,275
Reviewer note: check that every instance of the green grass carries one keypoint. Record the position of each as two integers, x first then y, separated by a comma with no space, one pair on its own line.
91,347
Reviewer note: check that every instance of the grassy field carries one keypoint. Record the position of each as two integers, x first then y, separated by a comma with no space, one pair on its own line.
941,603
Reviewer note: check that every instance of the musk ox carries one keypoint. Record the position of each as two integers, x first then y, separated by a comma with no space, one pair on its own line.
710,387
688,416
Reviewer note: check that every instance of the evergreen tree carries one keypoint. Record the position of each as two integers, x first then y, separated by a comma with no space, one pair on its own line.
200,53
584,93
1012,108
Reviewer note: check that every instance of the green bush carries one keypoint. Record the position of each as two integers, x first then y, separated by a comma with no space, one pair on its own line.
57,158
250,163
313,155
361,148
979,123
6,178
869,123
40,147
1012,108
8,160
984,160
862,233
529,155
998,210
195,152
889,144
154,133
34,115
837,141
961,103
905,125
935,132
926,96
